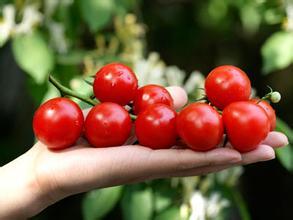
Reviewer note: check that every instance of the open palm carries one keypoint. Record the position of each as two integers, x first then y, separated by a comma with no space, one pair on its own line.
82,167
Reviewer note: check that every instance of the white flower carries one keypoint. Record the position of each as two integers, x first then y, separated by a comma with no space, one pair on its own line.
184,211
150,70
289,12
8,27
50,6
174,76
154,71
198,206
58,38
195,81
214,205
7,23
206,207
31,17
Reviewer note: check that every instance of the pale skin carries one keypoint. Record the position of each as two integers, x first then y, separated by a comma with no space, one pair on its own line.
41,177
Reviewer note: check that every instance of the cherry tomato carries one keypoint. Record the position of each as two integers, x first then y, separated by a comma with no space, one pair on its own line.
155,127
269,110
116,83
149,95
200,126
227,84
107,124
246,124
58,123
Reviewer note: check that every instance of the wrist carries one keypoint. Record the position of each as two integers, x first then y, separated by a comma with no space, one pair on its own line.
21,195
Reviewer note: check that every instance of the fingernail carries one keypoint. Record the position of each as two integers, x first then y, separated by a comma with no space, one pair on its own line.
286,141
283,139
269,157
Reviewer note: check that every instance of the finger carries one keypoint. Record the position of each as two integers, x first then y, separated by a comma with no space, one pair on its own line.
276,139
119,165
179,96
261,153
200,171
177,160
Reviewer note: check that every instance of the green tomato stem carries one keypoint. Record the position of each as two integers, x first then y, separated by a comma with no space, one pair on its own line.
133,117
272,96
66,91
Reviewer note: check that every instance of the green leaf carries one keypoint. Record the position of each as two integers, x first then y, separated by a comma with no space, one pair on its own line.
33,55
161,202
96,13
98,203
250,17
137,203
172,213
239,202
285,154
283,127
164,194
277,51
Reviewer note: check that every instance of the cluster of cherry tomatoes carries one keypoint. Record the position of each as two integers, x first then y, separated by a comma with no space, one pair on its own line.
201,126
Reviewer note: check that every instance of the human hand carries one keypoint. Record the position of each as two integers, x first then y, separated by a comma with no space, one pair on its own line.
53,175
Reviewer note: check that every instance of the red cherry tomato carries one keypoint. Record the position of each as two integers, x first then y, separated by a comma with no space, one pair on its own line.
116,83
155,127
227,84
149,95
58,123
246,124
200,126
107,124
269,110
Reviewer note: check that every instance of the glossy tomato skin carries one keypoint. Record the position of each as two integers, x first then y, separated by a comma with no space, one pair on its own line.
58,123
269,110
155,127
227,84
200,126
246,125
149,95
107,124
116,83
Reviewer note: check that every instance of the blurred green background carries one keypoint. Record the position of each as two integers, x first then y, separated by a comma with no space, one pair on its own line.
169,42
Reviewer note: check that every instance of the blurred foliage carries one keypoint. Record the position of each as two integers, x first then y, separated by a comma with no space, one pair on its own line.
73,38
286,154
98,203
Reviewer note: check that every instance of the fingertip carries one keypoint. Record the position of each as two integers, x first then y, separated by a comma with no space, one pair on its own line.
267,152
179,96
276,139
261,153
